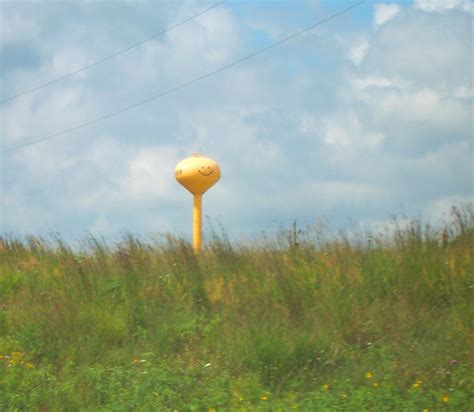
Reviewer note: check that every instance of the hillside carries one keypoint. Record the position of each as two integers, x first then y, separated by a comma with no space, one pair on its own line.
331,324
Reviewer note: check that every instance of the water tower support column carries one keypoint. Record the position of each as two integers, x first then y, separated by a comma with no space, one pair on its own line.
197,222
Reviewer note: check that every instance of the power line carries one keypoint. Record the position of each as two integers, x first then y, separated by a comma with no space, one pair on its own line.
183,85
104,59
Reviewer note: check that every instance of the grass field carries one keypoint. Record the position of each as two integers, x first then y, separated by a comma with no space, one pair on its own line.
325,325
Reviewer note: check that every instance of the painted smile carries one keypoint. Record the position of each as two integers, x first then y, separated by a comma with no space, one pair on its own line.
206,174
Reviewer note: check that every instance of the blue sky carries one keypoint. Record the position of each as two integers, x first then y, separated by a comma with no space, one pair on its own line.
366,116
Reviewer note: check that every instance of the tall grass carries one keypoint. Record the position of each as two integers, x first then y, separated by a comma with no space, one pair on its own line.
335,324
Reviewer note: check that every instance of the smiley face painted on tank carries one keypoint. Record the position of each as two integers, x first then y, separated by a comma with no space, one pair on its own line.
206,171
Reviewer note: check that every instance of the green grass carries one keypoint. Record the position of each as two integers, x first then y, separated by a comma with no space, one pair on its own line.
319,326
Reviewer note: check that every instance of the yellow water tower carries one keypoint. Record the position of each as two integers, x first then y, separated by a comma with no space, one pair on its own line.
197,174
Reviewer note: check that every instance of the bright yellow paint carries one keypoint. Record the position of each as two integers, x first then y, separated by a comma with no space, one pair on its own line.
197,222
197,174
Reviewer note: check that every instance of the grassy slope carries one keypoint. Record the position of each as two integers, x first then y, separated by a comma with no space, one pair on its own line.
153,327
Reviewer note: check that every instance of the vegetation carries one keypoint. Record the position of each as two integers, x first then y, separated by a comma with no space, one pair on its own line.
379,322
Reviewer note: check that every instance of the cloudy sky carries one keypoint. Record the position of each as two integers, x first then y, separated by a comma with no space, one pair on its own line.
365,116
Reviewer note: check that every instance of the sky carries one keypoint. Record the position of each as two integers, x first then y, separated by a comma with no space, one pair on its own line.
366,116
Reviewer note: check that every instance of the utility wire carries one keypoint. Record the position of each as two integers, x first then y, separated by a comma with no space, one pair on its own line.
183,85
104,59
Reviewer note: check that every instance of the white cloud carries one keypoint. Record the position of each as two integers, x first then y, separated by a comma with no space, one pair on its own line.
46,114
17,26
464,92
444,5
333,192
422,106
149,174
441,208
203,43
384,12
337,136
308,124
103,226
428,60
25,216
67,60
372,81
348,134
364,87
358,52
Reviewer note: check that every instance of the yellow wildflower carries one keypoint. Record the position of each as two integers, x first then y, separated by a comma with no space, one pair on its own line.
239,396
264,397
29,365
368,375
426,410
417,384
375,384
325,387
212,410
445,398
